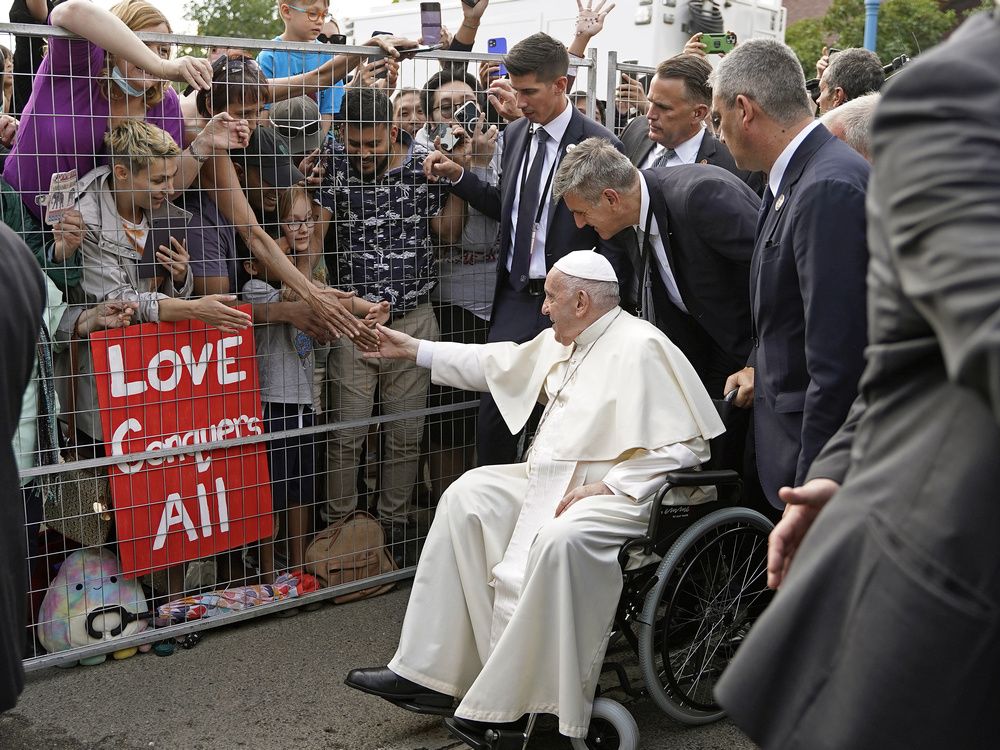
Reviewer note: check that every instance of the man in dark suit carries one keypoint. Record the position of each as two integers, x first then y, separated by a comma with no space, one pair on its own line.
23,292
535,230
886,633
807,292
673,132
697,226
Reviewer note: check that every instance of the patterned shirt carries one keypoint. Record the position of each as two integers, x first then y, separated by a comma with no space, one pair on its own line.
380,243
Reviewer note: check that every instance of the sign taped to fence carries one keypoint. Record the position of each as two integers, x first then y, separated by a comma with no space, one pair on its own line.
165,385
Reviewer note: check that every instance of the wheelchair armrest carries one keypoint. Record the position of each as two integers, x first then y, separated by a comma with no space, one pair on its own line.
686,478
699,479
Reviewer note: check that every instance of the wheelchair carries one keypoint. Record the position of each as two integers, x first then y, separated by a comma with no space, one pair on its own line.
684,614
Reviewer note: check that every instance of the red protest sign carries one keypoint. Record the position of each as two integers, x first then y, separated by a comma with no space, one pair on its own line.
166,385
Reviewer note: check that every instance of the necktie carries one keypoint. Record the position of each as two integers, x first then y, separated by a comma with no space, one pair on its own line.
527,210
765,206
662,159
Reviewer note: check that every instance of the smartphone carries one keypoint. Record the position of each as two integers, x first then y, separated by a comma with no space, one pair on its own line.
718,44
170,221
383,72
443,131
627,62
430,22
498,46
467,115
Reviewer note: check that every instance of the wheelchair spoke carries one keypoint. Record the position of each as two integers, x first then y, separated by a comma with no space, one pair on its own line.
718,589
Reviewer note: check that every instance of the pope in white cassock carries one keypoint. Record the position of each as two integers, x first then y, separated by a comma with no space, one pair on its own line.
517,586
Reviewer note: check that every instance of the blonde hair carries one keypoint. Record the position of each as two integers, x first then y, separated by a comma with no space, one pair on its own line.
135,144
287,199
138,15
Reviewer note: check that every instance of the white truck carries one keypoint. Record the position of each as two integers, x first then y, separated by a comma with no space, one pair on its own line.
644,31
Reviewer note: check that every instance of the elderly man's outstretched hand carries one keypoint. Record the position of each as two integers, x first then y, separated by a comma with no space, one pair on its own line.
393,345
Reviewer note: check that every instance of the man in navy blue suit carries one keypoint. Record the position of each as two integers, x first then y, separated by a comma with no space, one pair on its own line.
535,231
807,277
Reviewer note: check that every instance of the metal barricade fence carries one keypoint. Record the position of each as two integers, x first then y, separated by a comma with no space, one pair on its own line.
616,121
217,462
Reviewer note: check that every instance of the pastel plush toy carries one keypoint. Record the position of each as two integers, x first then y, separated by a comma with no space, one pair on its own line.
91,601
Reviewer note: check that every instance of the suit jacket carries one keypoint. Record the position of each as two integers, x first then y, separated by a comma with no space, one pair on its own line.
562,235
707,219
807,297
23,293
892,600
712,151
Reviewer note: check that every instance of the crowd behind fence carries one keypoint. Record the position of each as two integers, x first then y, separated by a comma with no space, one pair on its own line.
166,455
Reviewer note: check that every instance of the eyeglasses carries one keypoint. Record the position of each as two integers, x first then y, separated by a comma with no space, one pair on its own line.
447,109
332,38
290,131
312,15
295,226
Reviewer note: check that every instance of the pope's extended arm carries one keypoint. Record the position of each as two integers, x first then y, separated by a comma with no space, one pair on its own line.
455,365
645,471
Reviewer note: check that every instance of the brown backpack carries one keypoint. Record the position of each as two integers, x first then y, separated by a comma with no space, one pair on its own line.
350,550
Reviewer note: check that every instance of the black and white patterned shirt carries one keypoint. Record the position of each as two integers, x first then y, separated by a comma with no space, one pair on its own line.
380,243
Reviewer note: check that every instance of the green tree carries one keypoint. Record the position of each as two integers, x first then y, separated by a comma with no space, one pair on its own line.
242,19
904,27
807,38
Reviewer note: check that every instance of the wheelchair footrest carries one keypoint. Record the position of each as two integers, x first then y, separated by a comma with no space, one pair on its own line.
423,708
491,739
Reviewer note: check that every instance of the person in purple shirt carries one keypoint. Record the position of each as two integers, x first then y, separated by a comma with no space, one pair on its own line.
85,85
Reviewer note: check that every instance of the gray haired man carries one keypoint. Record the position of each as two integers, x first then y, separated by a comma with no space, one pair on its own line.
851,122
851,73
807,281
696,230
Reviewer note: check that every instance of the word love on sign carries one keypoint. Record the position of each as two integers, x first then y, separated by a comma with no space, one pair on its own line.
181,385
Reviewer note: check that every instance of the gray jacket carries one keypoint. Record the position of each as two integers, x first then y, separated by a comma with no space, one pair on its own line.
109,271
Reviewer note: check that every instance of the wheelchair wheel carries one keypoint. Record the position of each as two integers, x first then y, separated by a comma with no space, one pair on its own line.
711,587
611,728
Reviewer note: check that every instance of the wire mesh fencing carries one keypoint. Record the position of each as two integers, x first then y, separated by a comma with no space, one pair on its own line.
210,432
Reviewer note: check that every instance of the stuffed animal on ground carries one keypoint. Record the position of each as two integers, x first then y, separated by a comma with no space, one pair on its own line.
90,601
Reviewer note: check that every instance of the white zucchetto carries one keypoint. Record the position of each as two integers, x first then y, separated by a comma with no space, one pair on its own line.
586,264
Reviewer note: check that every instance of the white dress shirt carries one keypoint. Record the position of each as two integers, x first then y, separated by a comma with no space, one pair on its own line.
777,172
556,129
685,153
659,251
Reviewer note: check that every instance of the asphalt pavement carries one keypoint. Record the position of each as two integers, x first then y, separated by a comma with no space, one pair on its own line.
268,684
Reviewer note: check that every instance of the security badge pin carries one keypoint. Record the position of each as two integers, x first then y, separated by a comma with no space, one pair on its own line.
779,202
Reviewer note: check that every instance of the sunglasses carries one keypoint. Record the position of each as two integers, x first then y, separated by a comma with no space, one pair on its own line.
332,38
235,64
291,131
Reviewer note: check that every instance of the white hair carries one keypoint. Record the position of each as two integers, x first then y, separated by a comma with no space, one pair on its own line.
854,119
604,295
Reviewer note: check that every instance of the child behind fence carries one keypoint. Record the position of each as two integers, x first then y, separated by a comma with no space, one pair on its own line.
286,361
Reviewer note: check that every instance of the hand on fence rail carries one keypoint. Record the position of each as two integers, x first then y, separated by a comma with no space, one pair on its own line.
504,99
222,133
438,166
630,93
8,130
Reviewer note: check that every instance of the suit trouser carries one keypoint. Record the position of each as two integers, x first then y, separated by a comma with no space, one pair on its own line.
549,657
402,387
517,316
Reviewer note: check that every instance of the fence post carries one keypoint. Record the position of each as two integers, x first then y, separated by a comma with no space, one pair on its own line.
609,108
592,82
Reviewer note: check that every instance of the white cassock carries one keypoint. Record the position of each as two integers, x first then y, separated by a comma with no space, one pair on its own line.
511,607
